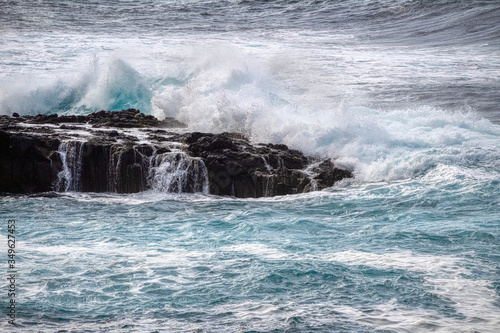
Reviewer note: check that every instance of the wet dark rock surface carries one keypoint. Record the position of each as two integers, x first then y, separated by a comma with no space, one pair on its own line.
122,119
127,151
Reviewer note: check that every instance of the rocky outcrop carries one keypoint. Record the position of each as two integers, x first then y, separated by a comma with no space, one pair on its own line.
235,167
122,119
26,164
127,152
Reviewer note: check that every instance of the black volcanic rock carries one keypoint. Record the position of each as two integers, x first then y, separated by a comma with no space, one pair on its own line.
26,164
235,167
129,118
57,153
328,174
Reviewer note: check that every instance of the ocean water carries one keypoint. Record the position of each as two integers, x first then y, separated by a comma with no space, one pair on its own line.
404,93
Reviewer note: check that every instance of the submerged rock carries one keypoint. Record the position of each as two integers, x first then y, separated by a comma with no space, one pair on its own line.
63,153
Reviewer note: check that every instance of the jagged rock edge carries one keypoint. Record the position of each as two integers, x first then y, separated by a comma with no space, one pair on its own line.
32,159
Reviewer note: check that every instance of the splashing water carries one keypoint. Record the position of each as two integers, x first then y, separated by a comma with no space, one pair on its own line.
405,93
178,173
172,172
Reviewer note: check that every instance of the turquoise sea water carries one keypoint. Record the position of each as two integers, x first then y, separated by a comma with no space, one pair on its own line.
403,256
403,93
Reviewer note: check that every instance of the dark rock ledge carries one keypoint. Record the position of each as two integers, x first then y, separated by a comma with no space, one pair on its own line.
127,151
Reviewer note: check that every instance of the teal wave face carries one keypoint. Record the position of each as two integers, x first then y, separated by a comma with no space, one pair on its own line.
113,86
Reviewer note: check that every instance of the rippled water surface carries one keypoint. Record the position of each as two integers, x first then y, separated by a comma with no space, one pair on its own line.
400,256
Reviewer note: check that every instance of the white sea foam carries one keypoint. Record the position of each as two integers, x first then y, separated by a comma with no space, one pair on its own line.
445,276
231,91
271,92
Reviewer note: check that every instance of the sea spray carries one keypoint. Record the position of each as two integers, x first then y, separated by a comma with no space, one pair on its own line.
231,89
110,84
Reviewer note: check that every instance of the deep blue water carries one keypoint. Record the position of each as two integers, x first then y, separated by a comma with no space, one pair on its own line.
404,93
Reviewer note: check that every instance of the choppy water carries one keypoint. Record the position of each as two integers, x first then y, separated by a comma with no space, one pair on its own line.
405,93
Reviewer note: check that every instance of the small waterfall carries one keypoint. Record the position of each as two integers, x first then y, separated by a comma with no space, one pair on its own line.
281,164
309,171
177,173
113,170
68,179
267,189
101,168
267,165
314,184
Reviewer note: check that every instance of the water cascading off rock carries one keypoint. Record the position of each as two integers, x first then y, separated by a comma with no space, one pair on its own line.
90,167
86,154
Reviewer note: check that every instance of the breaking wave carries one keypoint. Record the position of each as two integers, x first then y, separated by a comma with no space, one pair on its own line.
227,90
